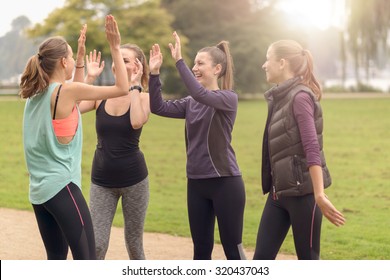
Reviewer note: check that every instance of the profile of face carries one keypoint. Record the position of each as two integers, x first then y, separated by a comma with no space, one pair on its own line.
129,57
70,64
273,68
206,73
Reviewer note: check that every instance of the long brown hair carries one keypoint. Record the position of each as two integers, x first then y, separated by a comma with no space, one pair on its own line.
301,62
220,54
142,58
41,66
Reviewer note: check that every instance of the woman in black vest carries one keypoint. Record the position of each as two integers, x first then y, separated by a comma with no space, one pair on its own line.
294,170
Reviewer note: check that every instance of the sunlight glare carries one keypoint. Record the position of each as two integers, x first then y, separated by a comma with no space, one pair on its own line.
319,13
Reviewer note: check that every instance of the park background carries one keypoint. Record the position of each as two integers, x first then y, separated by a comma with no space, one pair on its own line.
351,58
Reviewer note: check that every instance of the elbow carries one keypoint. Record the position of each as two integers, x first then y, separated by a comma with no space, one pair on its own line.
136,124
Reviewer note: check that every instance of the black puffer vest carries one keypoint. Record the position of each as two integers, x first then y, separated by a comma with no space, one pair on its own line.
284,167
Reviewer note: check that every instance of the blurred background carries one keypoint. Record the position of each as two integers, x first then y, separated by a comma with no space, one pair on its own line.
349,39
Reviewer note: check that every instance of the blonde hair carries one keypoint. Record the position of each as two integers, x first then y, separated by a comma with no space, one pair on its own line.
41,66
220,54
301,62
142,58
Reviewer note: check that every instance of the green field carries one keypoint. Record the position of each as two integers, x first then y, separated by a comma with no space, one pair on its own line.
357,147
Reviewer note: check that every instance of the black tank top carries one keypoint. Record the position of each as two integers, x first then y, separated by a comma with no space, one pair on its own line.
118,161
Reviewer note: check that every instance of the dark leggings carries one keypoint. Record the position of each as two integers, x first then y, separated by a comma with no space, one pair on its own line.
65,221
223,198
302,214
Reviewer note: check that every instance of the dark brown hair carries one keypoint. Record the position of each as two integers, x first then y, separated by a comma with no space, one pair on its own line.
41,66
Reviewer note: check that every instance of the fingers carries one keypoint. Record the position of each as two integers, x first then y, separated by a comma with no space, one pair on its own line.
95,56
177,38
335,217
83,30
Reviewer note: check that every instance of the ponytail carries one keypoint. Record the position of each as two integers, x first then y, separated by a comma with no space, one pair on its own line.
301,63
220,54
40,67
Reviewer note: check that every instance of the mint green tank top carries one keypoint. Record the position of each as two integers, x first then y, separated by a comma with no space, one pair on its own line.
51,165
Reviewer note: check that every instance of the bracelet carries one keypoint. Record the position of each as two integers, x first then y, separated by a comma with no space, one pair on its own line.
139,88
80,66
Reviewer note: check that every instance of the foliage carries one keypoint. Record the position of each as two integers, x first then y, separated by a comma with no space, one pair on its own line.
356,146
368,27
141,22
249,30
13,43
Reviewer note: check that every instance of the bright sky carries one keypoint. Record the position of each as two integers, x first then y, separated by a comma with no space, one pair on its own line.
35,10
320,13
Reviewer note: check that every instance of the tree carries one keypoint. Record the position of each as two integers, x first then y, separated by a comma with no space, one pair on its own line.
15,49
368,26
248,25
141,22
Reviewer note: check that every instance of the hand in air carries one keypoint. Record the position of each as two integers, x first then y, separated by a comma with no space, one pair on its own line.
176,49
136,75
155,59
112,32
95,65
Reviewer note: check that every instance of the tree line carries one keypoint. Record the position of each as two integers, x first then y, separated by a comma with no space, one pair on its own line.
249,26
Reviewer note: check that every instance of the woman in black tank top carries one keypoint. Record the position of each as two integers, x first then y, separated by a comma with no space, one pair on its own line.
119,169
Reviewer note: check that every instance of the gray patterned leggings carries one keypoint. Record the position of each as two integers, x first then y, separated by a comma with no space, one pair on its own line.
103,204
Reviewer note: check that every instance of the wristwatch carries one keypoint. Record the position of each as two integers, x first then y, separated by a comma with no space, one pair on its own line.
139,88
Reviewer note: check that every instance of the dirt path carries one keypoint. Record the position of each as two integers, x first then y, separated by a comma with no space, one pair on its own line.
20,240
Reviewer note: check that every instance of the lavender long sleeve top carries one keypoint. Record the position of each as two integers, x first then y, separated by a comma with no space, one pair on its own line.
304,114
209,118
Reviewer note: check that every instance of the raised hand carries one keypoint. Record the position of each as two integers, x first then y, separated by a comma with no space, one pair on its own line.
95,66
112,32
81,46
136,75
155,59
176,49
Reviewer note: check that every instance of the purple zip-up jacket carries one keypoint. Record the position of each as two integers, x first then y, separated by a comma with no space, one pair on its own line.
209,118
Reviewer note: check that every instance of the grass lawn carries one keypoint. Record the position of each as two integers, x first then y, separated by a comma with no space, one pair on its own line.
356,144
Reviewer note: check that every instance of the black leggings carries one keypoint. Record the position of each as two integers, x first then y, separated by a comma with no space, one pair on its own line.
302,214
223,198
65,221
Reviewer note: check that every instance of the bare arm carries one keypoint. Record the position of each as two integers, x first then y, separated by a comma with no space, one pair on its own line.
139,113
79,67
79,91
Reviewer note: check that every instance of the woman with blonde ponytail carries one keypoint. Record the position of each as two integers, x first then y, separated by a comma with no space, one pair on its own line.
294,170
215,188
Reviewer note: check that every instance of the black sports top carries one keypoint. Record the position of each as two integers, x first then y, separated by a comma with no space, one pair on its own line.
118,161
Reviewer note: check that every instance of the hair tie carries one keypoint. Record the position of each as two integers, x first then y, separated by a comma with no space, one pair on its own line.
40,57
303,52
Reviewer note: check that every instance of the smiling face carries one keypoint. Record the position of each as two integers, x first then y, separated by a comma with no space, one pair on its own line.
206,73
273,68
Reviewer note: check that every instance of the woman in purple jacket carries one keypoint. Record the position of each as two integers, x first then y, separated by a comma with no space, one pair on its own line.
294,171
215,187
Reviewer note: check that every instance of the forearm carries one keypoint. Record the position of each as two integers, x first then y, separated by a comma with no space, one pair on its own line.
138,116
317,180
173,109
79,71
121,80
